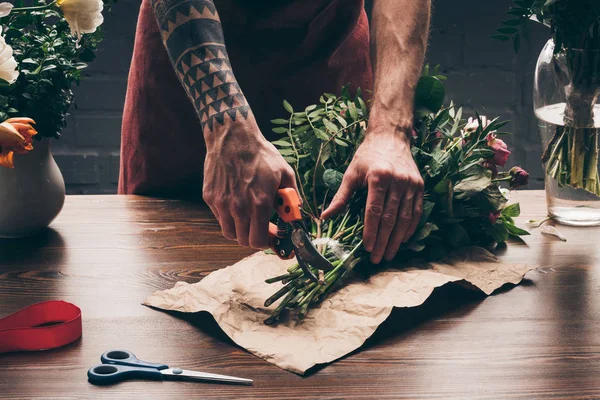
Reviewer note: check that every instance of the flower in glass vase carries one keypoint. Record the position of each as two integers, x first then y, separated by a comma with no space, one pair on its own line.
566,102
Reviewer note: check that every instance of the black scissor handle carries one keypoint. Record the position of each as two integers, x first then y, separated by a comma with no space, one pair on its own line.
125,357
106,374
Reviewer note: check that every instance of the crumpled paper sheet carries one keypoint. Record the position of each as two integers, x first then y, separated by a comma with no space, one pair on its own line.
344,321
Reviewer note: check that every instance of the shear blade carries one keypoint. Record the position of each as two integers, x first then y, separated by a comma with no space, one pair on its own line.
306,250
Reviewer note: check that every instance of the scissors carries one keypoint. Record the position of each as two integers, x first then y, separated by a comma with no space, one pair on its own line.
289,238
120,365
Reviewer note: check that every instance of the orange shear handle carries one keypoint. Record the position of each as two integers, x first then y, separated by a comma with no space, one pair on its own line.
288,206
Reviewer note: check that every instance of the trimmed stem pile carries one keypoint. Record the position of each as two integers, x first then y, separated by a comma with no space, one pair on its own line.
340,241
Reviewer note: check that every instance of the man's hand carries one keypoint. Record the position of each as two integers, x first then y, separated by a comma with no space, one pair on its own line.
384,164
241,179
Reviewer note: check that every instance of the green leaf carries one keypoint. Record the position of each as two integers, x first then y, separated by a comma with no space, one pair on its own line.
310,108
508,30
314,114
342,121
514,230
363,106
429,94
416,246
457,120
340,142
288,107
280,129
497,231
287,152
290,160
458,236
500,37
513,22
353,111
425,231
473,184
280,121
282,143
490,200
301,129
514,210
427,209
330,125
333,180
441,187
4,84
320,134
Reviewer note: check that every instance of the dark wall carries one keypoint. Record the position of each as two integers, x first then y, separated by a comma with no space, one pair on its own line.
482,73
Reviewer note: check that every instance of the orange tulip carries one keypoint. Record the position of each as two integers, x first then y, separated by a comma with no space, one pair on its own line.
15,137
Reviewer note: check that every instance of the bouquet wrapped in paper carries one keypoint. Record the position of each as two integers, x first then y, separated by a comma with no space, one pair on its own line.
464,202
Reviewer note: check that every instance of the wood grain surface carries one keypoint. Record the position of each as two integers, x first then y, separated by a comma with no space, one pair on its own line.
539,340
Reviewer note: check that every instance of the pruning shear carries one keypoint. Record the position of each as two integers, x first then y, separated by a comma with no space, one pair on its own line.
289,238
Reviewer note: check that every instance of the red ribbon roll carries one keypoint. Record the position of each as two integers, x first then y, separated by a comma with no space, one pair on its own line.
41,326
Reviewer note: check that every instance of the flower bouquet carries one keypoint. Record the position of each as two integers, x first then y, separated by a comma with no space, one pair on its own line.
464,201
44,47
573,66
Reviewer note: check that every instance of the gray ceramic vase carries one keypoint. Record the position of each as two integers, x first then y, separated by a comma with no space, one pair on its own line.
32,194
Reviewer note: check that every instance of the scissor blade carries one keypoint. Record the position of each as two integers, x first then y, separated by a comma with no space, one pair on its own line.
307,251
177,373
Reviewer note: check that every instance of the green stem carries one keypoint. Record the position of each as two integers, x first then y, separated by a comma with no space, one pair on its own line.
279,294
297,166
34,8
277,278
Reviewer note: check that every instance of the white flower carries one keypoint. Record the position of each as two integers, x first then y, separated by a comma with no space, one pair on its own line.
8,64
83,16
5,9
473,124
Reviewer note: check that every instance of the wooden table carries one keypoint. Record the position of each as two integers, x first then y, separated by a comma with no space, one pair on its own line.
107,253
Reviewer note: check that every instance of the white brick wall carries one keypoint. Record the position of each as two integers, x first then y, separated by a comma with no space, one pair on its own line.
483,73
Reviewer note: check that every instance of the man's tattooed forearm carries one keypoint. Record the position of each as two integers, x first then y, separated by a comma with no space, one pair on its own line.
193,36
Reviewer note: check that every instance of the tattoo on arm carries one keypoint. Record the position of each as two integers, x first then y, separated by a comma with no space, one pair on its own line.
192,33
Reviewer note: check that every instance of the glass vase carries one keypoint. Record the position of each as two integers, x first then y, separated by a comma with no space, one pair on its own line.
566,92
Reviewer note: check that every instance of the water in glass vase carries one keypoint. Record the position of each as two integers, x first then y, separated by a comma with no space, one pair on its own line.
571,162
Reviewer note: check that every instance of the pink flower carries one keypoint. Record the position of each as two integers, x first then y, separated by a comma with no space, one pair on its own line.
493,217
500,148
520,177
473,124
487,164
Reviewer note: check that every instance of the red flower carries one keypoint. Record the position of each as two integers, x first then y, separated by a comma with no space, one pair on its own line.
519,176
493,217
500,148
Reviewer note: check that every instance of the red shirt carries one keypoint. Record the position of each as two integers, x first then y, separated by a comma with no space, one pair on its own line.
279,49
